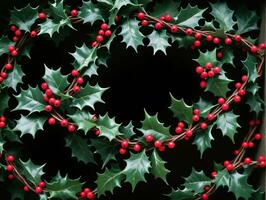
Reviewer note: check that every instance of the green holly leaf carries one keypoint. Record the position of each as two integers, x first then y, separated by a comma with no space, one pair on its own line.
88,96
118,4
189,16
208,56
14,77
63,187
228,56
131,34
183,41
83,120
203,140
151,125
258,195
24,18
247,20
108,127
108,180
51,27
108,3
251,67
127,130
158,41
218,85
255,103
158,166
184,194
4,98
79,148
106,150
84,56
222,178
56,81
137,166
89,12
227,123
30,124
30,100
181,110
253,88
166,7
223,15
196,181
5,42
32,172
204,106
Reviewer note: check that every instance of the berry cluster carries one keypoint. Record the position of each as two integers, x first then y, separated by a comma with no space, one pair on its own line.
125,145
87,194
103,33
78,81
2,121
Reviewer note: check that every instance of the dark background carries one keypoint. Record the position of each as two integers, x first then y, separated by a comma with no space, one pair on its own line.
136,81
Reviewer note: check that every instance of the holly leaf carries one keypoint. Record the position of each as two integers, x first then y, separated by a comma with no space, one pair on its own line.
184,194
89,12
158,166
5,42
84,56
165,7
63,187
183,41
24,18
218,85
204,106
227,123
51,27
57,82
181,110
137,165
247,20
203,140
196,181
88,96
79,148
32,172
208,56
30,100
251,67
83,120
255,103
253,88
127,130
4,98
222,179
223,15
158,41
131,34
118,4
189,16
108,180
228,56
106,150
151,125
14,77
30,124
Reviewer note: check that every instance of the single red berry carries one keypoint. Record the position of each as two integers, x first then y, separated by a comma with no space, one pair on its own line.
76,89
241,92
11,48
174,29
221,101
94,117
244,145
189,31
90,195
253,49
13,28
122,151
57,103
225,107
210,117
99,38
144,23
14,53
261,158
2,119
199,69
94,44
203,125
208,65
230,167
258,136
18,33
26,188
49,92
262,164
197,43
74,13
97,132
10,158
124,144
42,184
48,108
247,161
9,168
237,38
64,123
38,190
33,34
181,124
219,55
161,148
2,124
87,190
44,86
207,188
51,121
10,176
209,38
211,73
216,40
108,33
141,16
51,101
158,26
149,138
42,16
4,75
101,32
137,147
213,174
168,18
236,152
71,128
157,143
216,70
205,197
237,99
226,162
262,46
197,36
104,26
196,111
82,194
238,85
171,145
228,41
203,84
74,72
204,75
80,80
189,133
258,122
162,18
244,78
117,19
250,144
8,66
195,118
178,130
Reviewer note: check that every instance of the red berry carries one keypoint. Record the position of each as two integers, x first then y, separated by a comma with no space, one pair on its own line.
250,144
90,195
144,23
108,33
104,26
48,108
203,84
2,124
226,162
210,117
181,124
237,99
216,40
57,103
51,101
174,28
10,158
213,174
42,15
197,43
189,31
44,86
204,75
51,121
261,158
199,69
237,38
99,38
207,188
178,130
221,101
195,118
26,188
244,78
10,176
253,49
76,89
11,48
158,26
71,128
236,152
80,80
216,70
122,151
87,190
244,145
161,148
225,107
49,92
137,147
209,38
189,133
205,197
238,85
171,145
196,111
241,92
262,164
203,125
219,55
117,19
74,13
228,41
149,138
82,194
168,18
15,39
230,167
74,72
211,73
157,143
101,32
41,184
4,75
33,34
124,144
247,161
197,36
13,28
97,132
141,16
9,168
18,32
14,53
94,44
208,65
64,123
2,119
258,136
8,66
38,190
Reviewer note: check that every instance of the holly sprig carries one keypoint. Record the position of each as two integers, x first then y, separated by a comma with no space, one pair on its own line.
68,103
